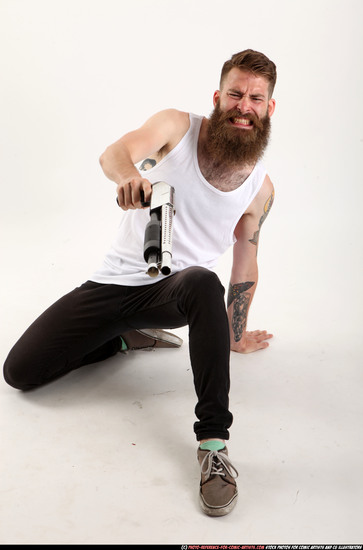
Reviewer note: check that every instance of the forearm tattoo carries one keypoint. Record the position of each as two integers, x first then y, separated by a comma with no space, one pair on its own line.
240,298
266,210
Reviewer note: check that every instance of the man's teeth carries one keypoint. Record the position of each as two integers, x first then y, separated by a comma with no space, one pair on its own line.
243,121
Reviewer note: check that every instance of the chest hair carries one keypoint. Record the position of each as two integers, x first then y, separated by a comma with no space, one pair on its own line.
222,178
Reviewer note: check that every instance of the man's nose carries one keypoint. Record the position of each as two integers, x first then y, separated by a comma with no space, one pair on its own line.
244,105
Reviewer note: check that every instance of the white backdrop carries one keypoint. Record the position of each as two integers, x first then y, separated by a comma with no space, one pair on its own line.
75,76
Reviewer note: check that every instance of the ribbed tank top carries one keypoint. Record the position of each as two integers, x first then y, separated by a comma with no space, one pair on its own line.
204,223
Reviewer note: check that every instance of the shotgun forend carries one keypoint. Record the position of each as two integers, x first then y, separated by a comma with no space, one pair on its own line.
158,232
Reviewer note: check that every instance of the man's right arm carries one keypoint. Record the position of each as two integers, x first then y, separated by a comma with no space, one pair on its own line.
163,130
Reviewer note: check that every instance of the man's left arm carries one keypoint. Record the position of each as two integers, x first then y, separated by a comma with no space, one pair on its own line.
244,275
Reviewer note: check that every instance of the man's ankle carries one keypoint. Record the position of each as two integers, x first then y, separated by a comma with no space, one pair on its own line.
212,444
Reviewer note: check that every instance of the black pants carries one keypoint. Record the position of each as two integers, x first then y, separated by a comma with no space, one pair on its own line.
85,326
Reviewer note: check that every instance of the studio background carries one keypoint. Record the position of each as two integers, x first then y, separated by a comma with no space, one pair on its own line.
75,76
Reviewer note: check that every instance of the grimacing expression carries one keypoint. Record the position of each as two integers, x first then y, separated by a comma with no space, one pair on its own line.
230,144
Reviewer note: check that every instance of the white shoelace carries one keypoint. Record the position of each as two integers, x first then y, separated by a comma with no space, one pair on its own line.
214,463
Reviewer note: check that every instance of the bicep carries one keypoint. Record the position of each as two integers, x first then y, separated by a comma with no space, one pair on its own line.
157,132
247,231
244,249
250,224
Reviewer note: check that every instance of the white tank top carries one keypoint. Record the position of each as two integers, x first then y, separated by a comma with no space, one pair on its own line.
203,226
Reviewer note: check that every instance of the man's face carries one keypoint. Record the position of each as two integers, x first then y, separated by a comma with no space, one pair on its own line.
247,93
239,126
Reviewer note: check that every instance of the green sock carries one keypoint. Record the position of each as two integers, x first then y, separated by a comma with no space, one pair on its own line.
212,445
123,344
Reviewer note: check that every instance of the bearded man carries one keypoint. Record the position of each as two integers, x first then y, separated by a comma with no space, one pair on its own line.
222,196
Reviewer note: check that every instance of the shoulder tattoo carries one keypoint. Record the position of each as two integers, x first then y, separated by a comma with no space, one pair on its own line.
147,164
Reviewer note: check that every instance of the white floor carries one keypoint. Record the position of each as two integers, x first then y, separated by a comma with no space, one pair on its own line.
107,454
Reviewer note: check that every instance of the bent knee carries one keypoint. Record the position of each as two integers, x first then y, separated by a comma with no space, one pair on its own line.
16,374
203,277
200,282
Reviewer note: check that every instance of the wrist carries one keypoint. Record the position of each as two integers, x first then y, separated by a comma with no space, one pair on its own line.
239,345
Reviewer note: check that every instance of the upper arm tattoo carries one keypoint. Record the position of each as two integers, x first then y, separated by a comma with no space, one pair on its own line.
238,295
147,164
266,210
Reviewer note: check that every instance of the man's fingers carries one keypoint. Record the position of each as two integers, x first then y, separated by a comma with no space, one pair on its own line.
257,345
254,341
129,193
146,191
120,198
263,345
259,335
129,196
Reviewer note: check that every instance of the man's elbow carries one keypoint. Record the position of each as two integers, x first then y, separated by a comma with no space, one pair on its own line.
103,158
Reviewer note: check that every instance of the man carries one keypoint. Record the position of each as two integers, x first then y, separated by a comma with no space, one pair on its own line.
222,197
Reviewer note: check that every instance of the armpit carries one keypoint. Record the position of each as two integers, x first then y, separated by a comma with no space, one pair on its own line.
152,160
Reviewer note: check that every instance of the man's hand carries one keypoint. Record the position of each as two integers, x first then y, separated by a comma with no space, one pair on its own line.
251,341
129,193
164,130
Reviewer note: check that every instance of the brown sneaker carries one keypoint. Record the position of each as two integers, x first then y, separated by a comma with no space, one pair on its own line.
147,339
218,489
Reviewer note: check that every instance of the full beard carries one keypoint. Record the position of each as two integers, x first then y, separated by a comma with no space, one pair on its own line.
233,146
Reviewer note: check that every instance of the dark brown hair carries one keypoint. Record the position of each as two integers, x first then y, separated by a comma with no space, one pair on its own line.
255,62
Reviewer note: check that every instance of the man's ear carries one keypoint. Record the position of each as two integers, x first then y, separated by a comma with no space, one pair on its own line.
271,107
216,96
